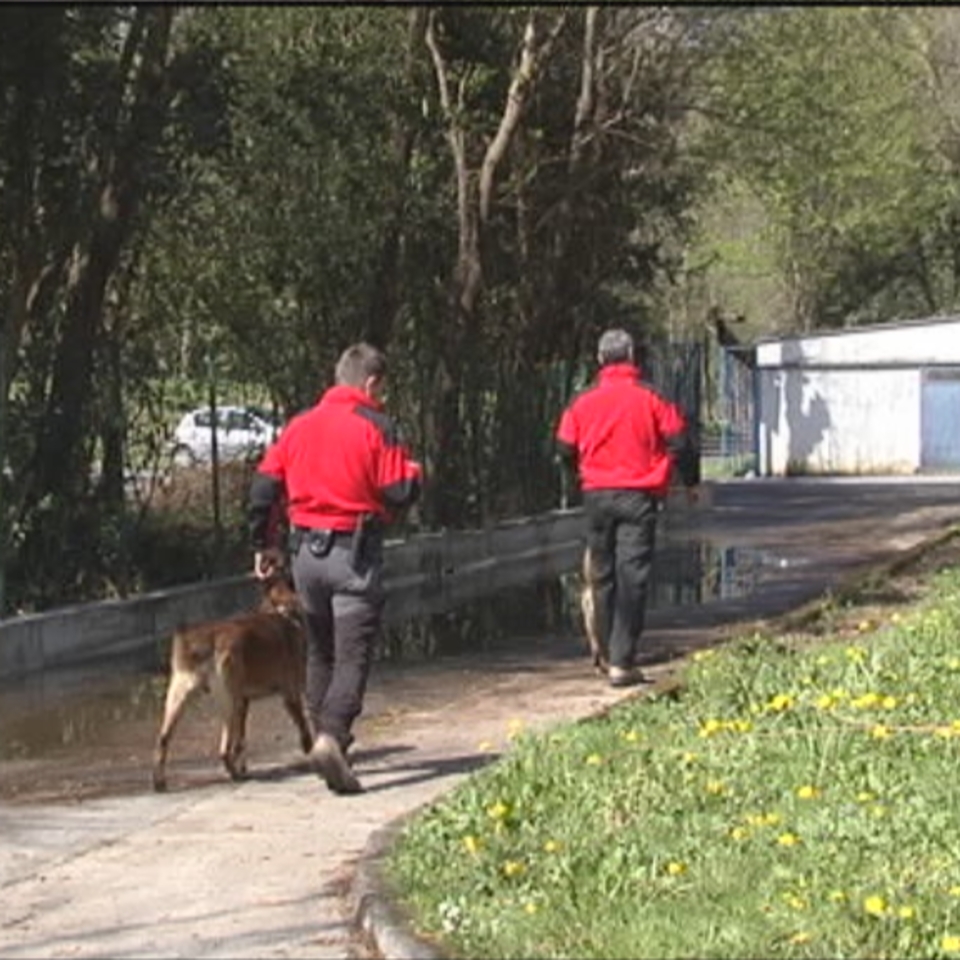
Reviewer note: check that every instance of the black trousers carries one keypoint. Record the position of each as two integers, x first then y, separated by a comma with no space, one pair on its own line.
343,601
621,535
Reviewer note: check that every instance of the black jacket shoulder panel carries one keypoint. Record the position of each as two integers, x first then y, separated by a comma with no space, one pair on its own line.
383,422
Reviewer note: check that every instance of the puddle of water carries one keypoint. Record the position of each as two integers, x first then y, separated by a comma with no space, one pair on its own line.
117,704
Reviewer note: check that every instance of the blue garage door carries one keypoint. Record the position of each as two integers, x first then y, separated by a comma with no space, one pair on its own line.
940,419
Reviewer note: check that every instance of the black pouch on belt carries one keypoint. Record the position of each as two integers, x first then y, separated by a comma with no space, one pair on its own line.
319,542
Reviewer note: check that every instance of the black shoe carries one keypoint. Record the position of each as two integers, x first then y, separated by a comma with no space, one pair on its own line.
333,766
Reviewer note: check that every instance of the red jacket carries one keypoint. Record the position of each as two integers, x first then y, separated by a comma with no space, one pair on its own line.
624,434
338,460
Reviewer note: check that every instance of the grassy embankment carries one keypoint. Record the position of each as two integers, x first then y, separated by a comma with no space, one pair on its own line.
796,796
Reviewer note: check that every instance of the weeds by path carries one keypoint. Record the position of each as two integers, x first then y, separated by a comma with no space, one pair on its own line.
798,799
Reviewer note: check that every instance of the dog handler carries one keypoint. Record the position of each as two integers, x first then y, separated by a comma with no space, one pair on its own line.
344,473
624,439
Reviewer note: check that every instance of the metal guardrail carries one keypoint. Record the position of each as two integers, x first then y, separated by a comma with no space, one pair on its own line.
424,574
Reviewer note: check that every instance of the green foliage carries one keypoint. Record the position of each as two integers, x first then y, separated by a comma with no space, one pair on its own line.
792,803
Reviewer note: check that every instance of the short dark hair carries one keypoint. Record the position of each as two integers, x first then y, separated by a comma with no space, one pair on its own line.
615,346
358,363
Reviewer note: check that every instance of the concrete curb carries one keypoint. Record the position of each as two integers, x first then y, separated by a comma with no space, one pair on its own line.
375,909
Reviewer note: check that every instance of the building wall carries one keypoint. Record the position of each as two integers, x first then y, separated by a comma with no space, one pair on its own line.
848,401
839,421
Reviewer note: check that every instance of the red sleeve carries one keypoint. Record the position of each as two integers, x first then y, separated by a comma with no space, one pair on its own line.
568,431
399,478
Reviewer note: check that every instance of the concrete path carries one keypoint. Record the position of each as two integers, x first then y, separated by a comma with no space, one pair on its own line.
263,869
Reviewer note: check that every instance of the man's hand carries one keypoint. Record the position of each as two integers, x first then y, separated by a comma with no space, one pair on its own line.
267,562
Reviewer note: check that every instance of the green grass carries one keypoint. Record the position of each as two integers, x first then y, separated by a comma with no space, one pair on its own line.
797,800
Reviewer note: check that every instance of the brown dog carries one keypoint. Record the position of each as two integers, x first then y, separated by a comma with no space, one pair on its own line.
588,610
241,659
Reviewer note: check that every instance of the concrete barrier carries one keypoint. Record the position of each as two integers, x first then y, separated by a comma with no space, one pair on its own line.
425,574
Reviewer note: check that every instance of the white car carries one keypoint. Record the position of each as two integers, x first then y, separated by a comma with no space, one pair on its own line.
242,434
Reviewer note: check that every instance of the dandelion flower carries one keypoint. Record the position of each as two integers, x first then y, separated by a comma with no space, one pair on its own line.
738,833
594,759
954,891
709,727
880,732
864,796
950,943
836,896
530,907
875,906
675,868
715,787
498,810
631,736
801,936
513,868
788,840
551,846
889,703
781,702
906,913
472,844
689,757
807,792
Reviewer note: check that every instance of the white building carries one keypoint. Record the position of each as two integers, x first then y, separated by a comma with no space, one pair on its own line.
866,400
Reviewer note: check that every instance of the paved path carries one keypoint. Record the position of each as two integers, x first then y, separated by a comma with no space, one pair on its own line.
262,869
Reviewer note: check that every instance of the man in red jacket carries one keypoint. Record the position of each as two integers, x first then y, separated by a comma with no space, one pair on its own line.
344,472
624,439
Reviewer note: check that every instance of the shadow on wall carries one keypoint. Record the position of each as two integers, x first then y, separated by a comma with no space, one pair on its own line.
805,426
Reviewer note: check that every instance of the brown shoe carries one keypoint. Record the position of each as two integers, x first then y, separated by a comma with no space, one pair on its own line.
332,765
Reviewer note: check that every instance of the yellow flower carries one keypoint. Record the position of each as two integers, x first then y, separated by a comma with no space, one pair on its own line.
738,833
889,703
689,757
530,907
498,810
875,906
954,891
864,796
675,868
895,618
856,653
906,913
781,702
551,846
807,792
801,936
826,701
715,787
880,732
514,729
950,943
513,868
710,727
836,896
794,902
878,811
944,733
863,626
788,840
953,663
866,701
472,844
742,726
702,655
594,759
631,736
